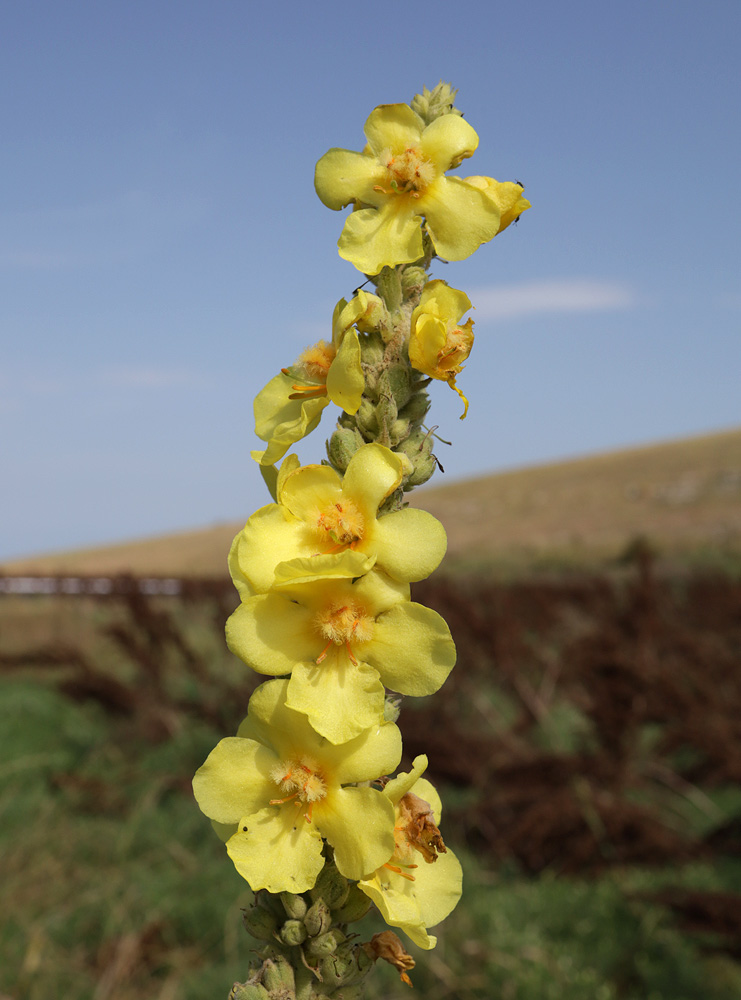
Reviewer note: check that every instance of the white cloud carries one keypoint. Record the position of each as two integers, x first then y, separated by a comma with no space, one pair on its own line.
557,296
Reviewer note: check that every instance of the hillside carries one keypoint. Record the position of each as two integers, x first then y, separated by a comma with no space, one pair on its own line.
684,496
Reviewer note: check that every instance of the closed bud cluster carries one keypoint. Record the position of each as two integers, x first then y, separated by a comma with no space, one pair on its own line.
431,104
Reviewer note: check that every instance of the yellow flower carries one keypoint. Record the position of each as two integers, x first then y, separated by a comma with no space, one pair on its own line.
290,406
277,788
438,346
507,195
421,883
399,179
320,512
341,639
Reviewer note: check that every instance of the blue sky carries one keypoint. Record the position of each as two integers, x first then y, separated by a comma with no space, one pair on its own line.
163,254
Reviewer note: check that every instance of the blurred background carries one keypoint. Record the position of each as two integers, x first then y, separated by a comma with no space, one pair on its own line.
162,255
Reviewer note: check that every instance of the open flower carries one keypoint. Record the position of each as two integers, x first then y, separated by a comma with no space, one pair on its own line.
341,639
438,346
280,788
399,179
290,406
421,883
321,512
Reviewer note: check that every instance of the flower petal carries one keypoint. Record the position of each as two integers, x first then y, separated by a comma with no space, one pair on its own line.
438,887
345,379
372,474
359,824
372,239
271,633
459,216
375,752
281,421
393,126
343,176
506,195
341,699
403,782
276,849
234,781
270,722
412,649
309,489
397,902
448,140
410,544
268,538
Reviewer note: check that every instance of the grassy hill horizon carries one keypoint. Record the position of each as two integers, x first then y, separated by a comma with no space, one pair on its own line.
683,496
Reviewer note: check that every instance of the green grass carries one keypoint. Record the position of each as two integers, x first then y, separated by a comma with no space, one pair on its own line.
114,886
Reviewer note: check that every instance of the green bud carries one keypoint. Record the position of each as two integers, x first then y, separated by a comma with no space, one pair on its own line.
248,991
318,919
418,449
367,418
330,886
260,923
295,906
358,903
278,977
342,446
399,431
293,932
432,104
324,944
371,349
413,280
416,409
349,964
397,382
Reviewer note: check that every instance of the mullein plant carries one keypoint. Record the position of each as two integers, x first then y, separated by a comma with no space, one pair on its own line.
304,795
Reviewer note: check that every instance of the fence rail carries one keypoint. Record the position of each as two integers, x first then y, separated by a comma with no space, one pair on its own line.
112,586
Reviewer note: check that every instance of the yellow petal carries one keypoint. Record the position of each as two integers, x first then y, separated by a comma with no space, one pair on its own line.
276,849
345,379
359,824
410,544
342,177
271,633
459,216
374,239
394,127
234,780
448,140
412,649
505,194
341,699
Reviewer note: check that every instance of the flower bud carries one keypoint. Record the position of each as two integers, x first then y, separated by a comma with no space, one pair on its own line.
293,932
277,976
367,419
318,919
349,964
413,280
260,923
358,903
397,382
295,906
330,886
342,446
324,944
416,409
248,991
371,349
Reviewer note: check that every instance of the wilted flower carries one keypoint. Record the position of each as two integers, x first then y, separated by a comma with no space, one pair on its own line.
438,346
421,883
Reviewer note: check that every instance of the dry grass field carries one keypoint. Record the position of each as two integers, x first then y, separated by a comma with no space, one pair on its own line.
683,496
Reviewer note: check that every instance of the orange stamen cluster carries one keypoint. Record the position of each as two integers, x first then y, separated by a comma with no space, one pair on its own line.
409,172
342,523
302,778
342,624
